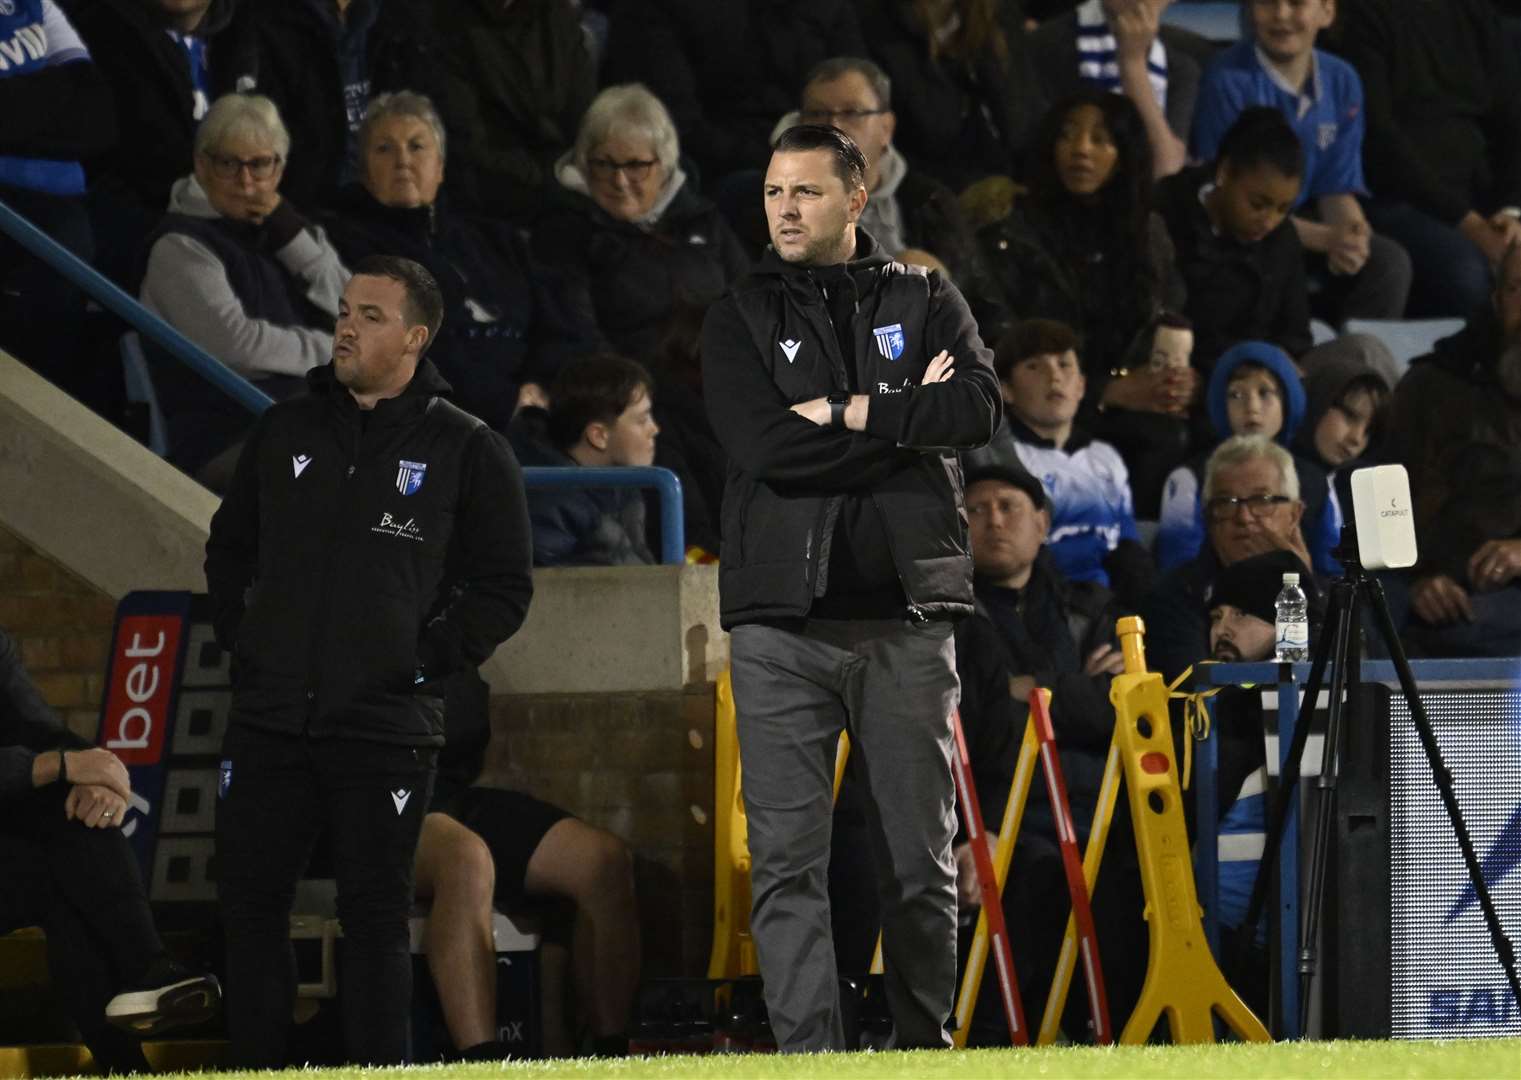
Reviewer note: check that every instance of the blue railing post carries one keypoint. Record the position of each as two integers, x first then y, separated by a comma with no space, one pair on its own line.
110,296
673,538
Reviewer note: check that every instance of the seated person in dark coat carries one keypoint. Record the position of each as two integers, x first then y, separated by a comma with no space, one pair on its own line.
1456,426
506,332
628,231
1236,248
65,866
1086,249
600,414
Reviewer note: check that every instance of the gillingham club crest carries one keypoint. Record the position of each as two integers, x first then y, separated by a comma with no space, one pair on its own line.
409,476
889,340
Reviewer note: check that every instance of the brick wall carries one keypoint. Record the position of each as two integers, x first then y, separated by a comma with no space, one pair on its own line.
641,766
63,627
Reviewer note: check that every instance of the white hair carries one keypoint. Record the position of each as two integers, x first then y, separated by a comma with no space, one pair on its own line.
627,109
1239,449
402,103
252,116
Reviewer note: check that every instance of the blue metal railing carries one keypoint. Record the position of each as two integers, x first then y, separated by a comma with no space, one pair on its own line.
111,297
673,542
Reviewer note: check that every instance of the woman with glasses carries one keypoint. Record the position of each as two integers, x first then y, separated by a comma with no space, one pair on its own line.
242,273
631,234
505,332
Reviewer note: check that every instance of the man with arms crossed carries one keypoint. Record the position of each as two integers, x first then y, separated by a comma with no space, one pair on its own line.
374,542
841,383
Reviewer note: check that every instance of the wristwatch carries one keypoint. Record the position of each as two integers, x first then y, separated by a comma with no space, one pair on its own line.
837,402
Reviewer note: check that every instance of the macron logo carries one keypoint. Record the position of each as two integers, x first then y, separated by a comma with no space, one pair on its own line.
790,348
299,462
400,797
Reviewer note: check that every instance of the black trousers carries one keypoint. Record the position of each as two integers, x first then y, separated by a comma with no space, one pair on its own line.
82,886
278,793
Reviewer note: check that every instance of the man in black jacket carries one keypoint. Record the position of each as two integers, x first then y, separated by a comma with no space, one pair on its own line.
374,541
839,382
65,866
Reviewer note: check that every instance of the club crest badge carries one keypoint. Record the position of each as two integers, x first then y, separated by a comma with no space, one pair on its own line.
409,476
889,340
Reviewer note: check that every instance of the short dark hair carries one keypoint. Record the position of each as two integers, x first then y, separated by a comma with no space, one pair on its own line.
1032,337
423,304
838,66
591,389
849,162
1171,320
1379,393
1261,136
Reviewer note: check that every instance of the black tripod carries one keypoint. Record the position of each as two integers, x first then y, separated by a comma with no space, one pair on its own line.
1339,648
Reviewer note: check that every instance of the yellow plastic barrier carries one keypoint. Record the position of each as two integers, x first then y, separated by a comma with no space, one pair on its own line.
733,948
1182,979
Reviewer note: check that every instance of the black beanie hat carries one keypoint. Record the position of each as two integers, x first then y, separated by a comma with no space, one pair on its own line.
1252,585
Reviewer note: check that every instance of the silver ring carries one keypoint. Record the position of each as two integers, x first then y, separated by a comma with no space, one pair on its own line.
108,813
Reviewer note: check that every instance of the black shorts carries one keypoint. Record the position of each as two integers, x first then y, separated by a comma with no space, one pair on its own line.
512,824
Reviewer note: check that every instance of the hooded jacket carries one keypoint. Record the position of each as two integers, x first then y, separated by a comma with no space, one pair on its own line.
1181,530
505,321
626,279
152,94
361,558
771,343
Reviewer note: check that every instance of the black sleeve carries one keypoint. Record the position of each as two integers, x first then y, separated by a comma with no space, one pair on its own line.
1291,322
232,548
959,414
64,112
1132,571
758,429
491,560
28,725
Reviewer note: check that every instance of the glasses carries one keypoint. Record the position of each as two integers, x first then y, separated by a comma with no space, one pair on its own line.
606,168
224,167
830,116
1223,507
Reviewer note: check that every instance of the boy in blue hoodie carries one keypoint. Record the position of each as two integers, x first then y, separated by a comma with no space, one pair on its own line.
1254,389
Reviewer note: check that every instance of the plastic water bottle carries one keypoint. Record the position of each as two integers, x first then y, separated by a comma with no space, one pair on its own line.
1292,622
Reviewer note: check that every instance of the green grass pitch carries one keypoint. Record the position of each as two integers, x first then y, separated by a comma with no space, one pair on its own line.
1489,1059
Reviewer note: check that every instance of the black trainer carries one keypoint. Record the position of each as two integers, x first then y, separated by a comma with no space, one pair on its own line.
167,996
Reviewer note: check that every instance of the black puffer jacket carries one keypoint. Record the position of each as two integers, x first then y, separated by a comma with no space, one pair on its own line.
770,344
1058,263
628,281
505,321
359,560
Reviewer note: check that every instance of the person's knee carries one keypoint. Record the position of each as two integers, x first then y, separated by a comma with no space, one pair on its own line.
466,874
609,867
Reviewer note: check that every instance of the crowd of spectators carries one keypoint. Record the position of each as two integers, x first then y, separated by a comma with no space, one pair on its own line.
1144,222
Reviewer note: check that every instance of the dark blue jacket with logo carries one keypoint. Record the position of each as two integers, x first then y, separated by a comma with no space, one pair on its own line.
770,344
360,558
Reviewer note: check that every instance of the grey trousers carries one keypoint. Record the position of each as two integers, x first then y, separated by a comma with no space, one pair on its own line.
892,684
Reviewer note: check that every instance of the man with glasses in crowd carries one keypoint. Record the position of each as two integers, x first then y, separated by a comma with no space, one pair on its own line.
1251,506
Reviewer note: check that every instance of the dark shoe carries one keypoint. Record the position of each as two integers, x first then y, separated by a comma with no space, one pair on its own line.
167,996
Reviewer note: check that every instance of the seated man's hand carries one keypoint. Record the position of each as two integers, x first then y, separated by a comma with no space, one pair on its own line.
968,891
1020,687
95,807
1348,250
531,395
1440,601
1104,660
98,767
1148,390
1495,565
